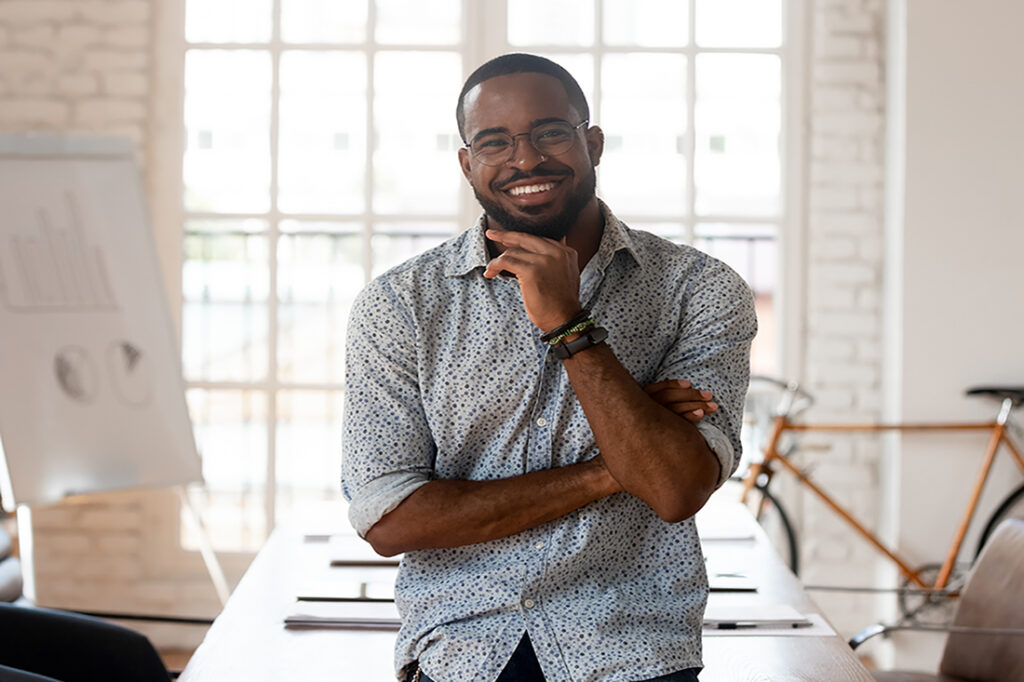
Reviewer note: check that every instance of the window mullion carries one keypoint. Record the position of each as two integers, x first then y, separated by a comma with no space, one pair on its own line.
690,143
371,141
270,495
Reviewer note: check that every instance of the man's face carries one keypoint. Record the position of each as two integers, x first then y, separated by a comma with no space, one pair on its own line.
531,193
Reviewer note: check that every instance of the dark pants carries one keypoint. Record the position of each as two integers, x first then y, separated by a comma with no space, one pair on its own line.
523,667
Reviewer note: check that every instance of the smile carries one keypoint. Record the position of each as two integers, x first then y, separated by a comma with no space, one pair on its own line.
531,189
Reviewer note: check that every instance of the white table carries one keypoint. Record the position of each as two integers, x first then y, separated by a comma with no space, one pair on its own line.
248,641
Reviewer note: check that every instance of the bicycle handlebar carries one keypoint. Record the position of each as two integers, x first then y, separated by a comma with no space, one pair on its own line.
793,400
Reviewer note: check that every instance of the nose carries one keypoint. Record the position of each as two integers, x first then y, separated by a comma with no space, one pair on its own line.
524,155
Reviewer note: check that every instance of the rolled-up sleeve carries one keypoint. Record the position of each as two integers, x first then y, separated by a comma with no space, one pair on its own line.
387,448
713,353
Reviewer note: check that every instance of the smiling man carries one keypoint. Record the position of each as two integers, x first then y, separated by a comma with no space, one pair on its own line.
536,409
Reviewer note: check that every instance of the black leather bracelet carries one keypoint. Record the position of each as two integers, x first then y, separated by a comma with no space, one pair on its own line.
590,337
582,315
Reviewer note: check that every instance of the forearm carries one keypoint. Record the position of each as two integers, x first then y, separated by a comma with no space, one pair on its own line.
453,513
653,453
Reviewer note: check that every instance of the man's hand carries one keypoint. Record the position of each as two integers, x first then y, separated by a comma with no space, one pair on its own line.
548,274
681,398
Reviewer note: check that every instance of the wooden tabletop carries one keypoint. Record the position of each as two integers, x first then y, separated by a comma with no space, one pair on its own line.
249,642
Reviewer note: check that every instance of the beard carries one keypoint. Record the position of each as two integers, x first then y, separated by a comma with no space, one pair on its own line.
555,227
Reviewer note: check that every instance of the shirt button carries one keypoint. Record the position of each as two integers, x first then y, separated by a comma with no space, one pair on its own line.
529,603
539,544
541,421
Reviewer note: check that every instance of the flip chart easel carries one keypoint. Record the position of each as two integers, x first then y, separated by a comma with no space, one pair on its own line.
91,391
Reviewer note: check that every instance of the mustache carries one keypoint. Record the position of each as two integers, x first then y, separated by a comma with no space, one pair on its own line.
538,175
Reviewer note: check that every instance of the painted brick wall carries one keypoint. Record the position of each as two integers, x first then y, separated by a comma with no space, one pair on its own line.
843,284
75,65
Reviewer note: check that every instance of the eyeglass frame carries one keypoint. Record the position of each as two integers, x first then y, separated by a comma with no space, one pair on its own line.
512,149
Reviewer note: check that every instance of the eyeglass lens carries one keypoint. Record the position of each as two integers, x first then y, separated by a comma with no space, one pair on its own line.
549,139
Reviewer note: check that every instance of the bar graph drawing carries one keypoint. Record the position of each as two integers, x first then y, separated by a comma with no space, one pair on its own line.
49,265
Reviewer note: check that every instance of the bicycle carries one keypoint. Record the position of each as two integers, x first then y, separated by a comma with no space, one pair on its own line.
775,426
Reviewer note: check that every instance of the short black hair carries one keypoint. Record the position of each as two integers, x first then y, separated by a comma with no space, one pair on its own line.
521,62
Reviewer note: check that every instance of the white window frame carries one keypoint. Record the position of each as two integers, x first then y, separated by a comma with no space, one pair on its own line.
484,36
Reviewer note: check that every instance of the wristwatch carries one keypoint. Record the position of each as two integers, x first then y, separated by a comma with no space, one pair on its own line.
590,337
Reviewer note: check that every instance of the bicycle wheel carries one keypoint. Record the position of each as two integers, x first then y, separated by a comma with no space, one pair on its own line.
773,518
1010,508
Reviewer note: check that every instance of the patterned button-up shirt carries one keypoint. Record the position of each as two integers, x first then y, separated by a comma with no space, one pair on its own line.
446,378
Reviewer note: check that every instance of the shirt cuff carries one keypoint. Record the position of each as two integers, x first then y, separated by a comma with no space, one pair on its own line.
380,496
721,446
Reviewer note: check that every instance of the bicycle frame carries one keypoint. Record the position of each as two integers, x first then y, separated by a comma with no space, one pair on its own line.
781,424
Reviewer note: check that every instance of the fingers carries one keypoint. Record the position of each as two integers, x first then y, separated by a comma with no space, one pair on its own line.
678,396
527,242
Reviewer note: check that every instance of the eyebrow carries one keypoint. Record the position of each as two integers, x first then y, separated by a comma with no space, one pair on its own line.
533,124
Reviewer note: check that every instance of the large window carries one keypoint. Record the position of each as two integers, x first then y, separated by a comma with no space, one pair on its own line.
320,150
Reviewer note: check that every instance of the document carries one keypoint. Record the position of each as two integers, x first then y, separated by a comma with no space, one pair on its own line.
364,615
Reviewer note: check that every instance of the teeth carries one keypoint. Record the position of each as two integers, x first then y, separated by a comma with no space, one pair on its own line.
531,189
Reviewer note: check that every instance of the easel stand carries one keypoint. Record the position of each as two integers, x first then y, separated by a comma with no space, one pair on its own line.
194,519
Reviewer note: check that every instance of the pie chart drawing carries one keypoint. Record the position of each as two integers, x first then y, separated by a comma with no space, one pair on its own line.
131,373
75,374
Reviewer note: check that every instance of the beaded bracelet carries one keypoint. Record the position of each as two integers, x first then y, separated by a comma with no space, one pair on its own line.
581,316
585,324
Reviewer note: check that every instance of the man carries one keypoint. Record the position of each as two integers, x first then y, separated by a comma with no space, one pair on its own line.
497,431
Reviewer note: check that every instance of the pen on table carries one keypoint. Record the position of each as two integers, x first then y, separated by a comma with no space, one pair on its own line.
748,625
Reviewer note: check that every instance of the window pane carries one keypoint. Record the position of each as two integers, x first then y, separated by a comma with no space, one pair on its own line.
419,22
737,162
319,276
643,114
323,132
225,287
416,163
231,433
550,22
400,242
657,23
227,125
739,23
323,21
228,21
309,461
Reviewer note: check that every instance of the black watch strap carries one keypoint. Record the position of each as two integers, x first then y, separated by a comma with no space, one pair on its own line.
591,337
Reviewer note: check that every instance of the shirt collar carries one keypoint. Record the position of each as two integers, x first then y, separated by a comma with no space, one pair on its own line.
471,248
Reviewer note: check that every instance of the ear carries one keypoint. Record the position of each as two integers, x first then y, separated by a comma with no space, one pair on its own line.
464,163
595,143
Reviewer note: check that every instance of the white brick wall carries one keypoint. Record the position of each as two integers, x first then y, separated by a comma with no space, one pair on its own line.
75,66
843,281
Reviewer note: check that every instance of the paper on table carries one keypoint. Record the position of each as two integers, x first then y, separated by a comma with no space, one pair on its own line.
355,615
724,522
363,589
751,613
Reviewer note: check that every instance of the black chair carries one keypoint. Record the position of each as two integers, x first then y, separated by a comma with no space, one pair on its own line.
44,645
75,648
10,570
12,675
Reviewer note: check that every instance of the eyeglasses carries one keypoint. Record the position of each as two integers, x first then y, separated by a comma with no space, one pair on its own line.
550,139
